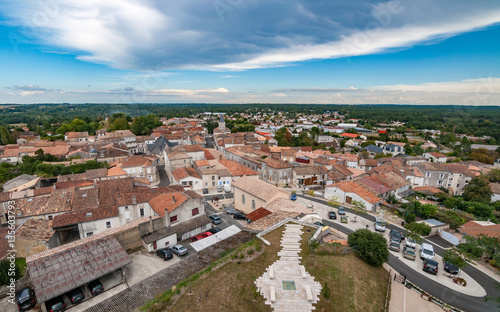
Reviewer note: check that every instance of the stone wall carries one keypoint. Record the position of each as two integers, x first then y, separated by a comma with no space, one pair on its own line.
137,295
129,239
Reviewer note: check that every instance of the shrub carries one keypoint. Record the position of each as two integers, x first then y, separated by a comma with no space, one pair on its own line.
325,291
419,228
409,217
242,256
258,247
250,252
471,249
372,247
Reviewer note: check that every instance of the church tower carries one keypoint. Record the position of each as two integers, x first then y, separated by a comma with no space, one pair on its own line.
222,123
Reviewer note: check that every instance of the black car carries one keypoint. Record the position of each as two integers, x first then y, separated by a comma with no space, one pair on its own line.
56,305
431,266
75,296
395,235
95,287
239,216
215,219
25,299
205,191
450,268
165,254
332,215
215,230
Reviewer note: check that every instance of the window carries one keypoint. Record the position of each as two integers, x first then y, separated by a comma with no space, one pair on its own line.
440,182
173,219
184,183
441,175
427,174
108,224
253,204
90,234
458,185
213,177
141,212
51,218
195,211
243,199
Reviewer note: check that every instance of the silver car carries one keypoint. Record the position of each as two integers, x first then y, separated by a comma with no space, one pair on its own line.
179,250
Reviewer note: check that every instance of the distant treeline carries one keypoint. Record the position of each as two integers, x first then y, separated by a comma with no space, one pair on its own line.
472,120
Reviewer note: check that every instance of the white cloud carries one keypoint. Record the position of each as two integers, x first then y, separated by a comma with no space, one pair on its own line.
277,94
157,35
481,85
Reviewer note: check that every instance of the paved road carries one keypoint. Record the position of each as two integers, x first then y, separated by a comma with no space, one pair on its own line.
164,181
209,138
449,296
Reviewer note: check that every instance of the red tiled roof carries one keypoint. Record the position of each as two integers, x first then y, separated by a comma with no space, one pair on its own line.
185,172
352,187
475,229
237,169
164,202
349,135
258,214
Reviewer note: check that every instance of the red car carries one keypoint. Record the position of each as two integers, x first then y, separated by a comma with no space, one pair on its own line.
197,237
207,233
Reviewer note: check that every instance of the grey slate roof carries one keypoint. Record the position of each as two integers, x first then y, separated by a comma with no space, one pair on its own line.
159,145
62,269
374,149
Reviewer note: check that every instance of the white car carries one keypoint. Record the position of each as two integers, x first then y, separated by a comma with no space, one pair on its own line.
410,243
426,252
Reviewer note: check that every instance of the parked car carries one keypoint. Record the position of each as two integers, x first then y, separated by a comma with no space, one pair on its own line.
409,253
395,245
179,250
231,211
165,254
207,233
56,304
451,268
205,191
197,237
75,296
293,196
430,266
215,219
380,225
25,299
239,216
219,188
395,235
227,188
426,251
343,219
215,230
318,224
411,243
342,211
95,287
332,215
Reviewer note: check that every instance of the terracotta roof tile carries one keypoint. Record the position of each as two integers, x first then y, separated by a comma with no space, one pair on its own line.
237,169
185,172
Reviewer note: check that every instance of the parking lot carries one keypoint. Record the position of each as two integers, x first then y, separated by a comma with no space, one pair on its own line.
358,222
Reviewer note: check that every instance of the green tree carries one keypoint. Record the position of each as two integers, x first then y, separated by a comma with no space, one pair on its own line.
4,272
426,211
419,228
119,124
334,201
478,190
144,125
494,175
358,208
371,247
5,136
456,257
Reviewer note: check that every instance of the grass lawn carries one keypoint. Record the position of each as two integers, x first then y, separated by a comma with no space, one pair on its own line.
354,285
21,262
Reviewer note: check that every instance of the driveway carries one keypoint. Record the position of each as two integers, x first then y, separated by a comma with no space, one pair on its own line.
461,300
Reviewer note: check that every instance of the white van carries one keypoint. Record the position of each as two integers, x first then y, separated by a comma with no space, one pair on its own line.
426,251
227,188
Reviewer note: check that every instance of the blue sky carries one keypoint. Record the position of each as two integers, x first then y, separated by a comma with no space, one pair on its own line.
242,51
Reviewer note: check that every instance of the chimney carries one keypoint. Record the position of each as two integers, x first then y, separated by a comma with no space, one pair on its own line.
150,225
173,199
220,157
134,200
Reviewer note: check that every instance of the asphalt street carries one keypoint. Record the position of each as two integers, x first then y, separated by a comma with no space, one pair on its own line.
449,296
